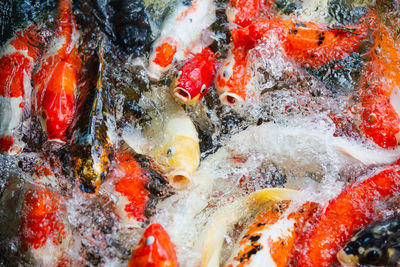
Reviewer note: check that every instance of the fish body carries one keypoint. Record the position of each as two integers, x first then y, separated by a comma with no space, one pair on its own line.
179,154
351,210
244,12
195,77
308,43
17,59
270,238
380,95
55,82
155,249
91,149
377,244
233,80
181,34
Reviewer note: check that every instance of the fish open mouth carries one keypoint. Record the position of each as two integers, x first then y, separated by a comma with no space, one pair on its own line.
182,94
179,179
230,99
346,260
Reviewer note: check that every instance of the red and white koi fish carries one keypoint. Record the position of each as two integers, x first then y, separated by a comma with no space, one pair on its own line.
43,231
270,239
354,208
56,80
244,12
17,59
130,184
233,80
181,34
195,77
308,43
380,91
155,249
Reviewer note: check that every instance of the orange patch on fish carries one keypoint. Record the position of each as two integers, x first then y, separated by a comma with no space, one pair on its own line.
165,53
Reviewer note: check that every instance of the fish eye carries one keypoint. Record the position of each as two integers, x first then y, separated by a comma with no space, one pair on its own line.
170,151
203,88
372,255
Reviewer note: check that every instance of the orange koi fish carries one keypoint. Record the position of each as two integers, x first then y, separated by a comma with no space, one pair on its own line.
244,12
354,208
181,34
233,78
380,95
155,249
195,77
17,59
56,80
308,43
270,239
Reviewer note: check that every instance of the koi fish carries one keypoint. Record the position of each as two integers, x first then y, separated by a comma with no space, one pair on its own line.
179,155
308,43
154,249
17,59
380,95
244,12
270,238
55,82
91,149
195,77
351,210
233,80
180,35
42,229
377,244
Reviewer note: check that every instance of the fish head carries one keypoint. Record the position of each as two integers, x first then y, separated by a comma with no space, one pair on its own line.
161,58
155,248
364,248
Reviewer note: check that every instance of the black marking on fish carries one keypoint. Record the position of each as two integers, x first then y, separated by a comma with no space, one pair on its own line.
254,238
321,38
300,24
253,251
293,31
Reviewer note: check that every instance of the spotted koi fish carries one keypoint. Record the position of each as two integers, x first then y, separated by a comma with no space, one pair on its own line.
380,93
181,34
270,239
233,80
55,82
154,249
17,59
195,77
351,210
308,43
244,12
377,244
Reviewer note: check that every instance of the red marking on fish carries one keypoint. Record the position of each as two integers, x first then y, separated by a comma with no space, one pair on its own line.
353,209
195,77
165,53
40,219
56,80
244,12
308,43
155,249
130,181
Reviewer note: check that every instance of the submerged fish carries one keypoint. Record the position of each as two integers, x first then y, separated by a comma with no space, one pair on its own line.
195,77
308,43
270,238
154,249
179,154
377,244
380,94
181,34
91,148
351,210
17,58
55,82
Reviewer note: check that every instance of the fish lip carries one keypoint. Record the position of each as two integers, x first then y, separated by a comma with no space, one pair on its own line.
345,259
181,97
180,179
226,99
